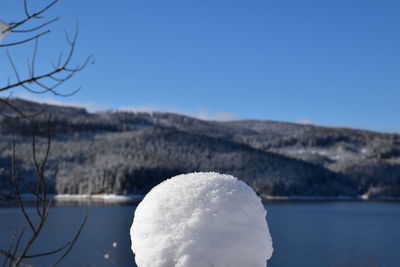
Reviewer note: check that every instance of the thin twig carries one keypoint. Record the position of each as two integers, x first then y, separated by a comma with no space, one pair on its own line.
37,36
17,192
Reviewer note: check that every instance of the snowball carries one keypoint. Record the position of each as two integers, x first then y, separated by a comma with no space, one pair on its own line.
3,27
201,220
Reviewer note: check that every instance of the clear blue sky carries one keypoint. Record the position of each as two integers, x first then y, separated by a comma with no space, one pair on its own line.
330,62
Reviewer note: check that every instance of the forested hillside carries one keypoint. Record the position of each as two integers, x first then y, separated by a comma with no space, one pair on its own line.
125,153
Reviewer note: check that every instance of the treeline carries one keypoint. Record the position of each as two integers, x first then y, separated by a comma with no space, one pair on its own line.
135,161
124,153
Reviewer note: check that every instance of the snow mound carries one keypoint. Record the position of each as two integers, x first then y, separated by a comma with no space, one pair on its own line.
201,220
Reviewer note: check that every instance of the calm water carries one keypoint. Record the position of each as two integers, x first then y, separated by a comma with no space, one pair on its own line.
305,234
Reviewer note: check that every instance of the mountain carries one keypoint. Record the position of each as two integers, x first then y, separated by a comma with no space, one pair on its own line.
124,153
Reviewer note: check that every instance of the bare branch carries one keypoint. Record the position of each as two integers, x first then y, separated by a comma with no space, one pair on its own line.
17,192
37,27
11,244
36,82
68,245
73,240
37,36
47,81
42,206
6,102
13,258
18,242
51,76
29,17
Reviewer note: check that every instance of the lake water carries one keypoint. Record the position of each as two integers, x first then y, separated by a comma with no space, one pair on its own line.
305,234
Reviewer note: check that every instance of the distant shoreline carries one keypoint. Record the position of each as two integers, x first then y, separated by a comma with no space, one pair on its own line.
112,198
106,198
99,197
331,198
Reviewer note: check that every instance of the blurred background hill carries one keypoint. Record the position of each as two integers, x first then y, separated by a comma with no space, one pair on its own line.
115,152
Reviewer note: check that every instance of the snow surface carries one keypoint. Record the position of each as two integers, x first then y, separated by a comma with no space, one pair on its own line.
201,220
3,27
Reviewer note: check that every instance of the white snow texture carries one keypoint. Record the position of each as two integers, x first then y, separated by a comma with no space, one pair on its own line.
3,27
201,220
